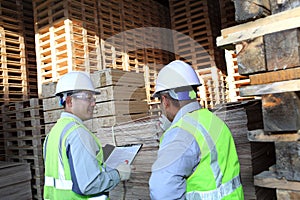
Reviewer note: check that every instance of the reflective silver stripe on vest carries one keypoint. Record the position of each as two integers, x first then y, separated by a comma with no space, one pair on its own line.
222,191
61,171
66,185
212,147
58,183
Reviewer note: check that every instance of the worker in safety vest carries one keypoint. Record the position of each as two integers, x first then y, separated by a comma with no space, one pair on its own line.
197,158
73,155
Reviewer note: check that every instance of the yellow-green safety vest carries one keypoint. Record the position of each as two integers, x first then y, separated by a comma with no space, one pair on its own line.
58,182
218,174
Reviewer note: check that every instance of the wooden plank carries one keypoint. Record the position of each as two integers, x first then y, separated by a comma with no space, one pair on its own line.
273,23
251,9
121,93
287,194
269,179
278,6
251,57
275,76
117,77
282,49
52,116
110,108
287,160
271,88
260,135
15,180
281,111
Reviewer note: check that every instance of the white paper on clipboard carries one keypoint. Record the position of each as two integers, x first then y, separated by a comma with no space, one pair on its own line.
122,154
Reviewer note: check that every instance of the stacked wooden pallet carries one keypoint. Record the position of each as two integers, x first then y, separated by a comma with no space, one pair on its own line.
67,38
213,89
254,158
2,149
227,11
268,52
23,134
18,73
133,37
94,35
15,180
234,80
197,24
144,131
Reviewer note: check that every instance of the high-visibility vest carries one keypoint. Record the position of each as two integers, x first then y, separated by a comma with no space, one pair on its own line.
58,182
218,174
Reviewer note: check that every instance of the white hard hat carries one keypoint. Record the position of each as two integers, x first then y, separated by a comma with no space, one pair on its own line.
177,74
74,81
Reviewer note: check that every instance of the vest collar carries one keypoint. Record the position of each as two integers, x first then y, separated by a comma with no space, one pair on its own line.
186,109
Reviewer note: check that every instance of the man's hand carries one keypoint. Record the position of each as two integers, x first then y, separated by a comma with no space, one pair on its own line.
164,123
124,171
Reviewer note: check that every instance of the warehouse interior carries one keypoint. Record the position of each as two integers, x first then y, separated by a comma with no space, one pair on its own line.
246,54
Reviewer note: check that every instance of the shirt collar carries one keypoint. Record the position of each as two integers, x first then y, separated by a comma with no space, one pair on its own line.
67,114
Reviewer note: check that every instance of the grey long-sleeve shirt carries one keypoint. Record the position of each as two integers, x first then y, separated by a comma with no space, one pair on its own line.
177,158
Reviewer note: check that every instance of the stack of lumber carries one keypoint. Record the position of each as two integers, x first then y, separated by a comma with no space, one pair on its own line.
254,157
51,106
268,52
15,180
18,78
122,98
213,89
23,135
144,131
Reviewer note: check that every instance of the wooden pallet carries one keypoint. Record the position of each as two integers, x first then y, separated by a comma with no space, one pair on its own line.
23,134
197,24
227,12
17,51
234,80
67,38
213,88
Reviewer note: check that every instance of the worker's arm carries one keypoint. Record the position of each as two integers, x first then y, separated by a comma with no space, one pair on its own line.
86,174
177,158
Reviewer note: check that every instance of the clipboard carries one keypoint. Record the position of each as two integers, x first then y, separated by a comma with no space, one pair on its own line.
115,155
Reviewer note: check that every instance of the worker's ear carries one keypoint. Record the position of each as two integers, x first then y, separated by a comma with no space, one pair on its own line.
165,101
69,101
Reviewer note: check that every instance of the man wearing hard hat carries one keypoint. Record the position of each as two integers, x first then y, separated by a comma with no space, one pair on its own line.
72,154
197,157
